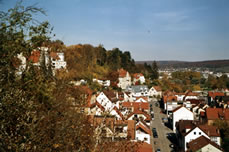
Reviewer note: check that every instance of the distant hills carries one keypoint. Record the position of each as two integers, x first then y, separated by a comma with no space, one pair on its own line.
214,65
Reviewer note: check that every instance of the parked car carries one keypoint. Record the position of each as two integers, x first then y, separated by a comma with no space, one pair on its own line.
158,150
152,116
171,146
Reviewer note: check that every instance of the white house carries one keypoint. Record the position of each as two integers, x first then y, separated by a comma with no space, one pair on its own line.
96,109
105,83
141,99
139,90
124,79
139,115
180,96
143,132
181,113
22,65
115,112
138,77
186,131
203,144
105,101
57,60
155,91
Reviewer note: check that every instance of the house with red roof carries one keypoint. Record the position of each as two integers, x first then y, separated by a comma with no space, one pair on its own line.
124,79
108,99
213,114
138,78
143,132
155,91
139,115
212,95
56,59
188,130
129,107
203,144
181,113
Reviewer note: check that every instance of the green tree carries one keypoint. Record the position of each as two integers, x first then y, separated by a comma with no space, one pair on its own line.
154,74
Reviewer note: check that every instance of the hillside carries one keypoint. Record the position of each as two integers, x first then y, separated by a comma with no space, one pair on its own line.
216,65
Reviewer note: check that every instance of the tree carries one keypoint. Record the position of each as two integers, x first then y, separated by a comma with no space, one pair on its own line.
154,74
37,112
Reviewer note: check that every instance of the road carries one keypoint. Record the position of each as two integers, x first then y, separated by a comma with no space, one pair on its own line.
162,142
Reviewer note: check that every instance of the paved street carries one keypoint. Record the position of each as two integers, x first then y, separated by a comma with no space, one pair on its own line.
162,141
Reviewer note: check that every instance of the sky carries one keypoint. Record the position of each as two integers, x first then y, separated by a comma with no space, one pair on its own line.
186,30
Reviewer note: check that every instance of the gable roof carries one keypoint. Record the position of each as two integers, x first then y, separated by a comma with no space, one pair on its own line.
111,96
122,73
157,88
145,147
199,143
35,56
182,125
98,105
167,98
136,105
118,112
143,128
138,75
178,108
137,111
212,131
217,113
214,94
54,55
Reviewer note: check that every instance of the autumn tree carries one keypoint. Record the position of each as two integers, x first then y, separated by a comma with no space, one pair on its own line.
37,113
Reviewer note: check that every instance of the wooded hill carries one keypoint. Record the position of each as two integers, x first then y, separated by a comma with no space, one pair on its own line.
87,62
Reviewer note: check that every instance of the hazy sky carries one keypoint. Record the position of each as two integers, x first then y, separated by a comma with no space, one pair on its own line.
190,30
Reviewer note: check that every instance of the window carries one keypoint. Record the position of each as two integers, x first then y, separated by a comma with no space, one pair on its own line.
194,133
199,133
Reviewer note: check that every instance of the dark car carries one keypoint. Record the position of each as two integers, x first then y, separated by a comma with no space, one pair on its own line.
158,150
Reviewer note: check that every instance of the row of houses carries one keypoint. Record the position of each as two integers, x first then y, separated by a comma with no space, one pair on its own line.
119,116
193,119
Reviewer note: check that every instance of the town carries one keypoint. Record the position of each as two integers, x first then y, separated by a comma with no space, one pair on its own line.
86,98
159,120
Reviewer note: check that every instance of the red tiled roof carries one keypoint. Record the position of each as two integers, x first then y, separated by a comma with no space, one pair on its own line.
35,56
145,129
145,147
111,96
169,98
54,55
214,94
217,113
136,105
122,73
195,101
137,111
97,104
119,113
131,129
157,88
137,75
210,130
199,143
